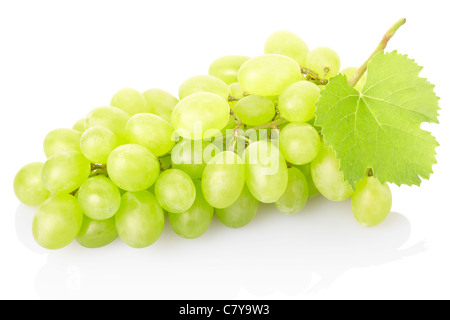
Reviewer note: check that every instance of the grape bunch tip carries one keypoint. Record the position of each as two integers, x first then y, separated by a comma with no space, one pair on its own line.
251,131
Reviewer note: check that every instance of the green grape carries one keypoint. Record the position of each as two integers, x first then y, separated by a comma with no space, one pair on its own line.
97,143
190,156
227,67
200,115
324,62
99,198
111,118
65,172
371,202
350,72
204,84
57,222
61,140
175,191
80,125
140,219
296,194
254,110
28,185
306,169
299,143
133,167
223,179
269,74
131,101
150,131
327,176
160,102
241,212
288,44
195,221
236,92
297,103
97,233
266,172
228,129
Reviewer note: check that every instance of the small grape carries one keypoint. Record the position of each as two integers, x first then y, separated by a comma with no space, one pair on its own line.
269,74
324,62
204,84
150,131
57,222
223,179
111,118
62,140
140,219
296,194
241,212
160,102
226,68
371,202
175,191
65,172
28,185
131,101
288,44
297,103
99,198
133,167
299,143
97,233
97,143
254,110
80,125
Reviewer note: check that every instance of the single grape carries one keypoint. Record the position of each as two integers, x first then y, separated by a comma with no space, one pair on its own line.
61,140
80,125
111,118
350,72
306,170
195,221
327,176
133,167
204,84
236,92
297,103
268,75
226,68
97,143
296,195
254,110
99,198
160,102
175,191
191,156
371,202
299,143
57,222
28,185
241,212
288,44
65,172
140,219
131,101
223,179
200,115
324,62
97,233
150,131
266,172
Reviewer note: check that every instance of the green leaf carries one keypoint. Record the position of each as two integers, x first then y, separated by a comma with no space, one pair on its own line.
379,128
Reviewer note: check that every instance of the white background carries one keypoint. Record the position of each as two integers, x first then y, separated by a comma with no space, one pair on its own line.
59,59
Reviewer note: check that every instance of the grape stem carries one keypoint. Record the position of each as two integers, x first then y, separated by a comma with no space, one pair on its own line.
273,124
381,46
313,77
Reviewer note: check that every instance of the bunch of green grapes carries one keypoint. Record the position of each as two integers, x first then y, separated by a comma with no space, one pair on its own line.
241,135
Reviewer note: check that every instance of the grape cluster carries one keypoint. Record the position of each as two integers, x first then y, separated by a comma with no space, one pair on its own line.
241,135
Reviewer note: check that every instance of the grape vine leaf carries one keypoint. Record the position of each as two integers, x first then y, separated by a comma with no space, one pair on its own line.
379,127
